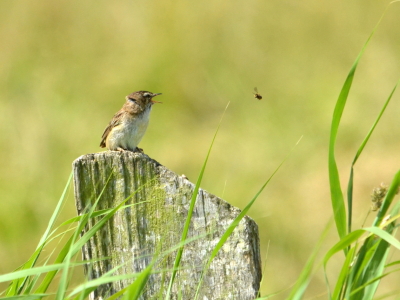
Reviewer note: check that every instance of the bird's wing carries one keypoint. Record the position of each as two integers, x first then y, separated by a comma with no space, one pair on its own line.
115,121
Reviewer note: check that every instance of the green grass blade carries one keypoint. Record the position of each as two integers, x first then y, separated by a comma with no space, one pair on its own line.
393,188
384,236
117,294
359,151
96,227
350,198
63,283
302,282
337,198
370,260
371,282
29,272
236,222
134,291
364,286
343,275
190,211
34,279
374,269
102,280
83,290
355,235
26,297
86,216
55,213
90,286
67,247
97,213
17,286
374,265
393,263
375,123
342,244
371,265
50,275
334,181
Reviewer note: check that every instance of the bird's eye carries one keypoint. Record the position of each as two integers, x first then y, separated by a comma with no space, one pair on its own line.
147,95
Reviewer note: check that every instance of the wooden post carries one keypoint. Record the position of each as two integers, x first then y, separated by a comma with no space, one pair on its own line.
154,224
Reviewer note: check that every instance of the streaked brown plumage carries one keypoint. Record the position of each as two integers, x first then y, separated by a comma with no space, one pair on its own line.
129,124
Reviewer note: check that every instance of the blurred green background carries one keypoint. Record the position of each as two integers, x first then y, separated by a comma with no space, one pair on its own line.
66,67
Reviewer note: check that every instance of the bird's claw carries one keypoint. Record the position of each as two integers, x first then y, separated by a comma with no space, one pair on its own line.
140,150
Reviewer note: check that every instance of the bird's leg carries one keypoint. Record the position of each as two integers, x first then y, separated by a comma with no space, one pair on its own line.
120,149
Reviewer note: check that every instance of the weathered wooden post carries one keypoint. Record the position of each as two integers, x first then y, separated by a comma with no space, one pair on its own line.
135,234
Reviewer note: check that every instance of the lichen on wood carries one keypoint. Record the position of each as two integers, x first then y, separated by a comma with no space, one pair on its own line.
153,225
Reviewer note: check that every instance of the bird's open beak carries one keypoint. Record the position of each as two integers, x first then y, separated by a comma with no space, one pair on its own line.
153,101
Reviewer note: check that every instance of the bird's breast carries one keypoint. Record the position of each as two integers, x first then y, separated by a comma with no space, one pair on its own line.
135,127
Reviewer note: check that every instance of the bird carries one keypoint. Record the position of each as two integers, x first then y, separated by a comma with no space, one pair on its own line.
128,125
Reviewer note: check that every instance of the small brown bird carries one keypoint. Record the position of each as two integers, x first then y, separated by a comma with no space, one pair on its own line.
129,124
256,94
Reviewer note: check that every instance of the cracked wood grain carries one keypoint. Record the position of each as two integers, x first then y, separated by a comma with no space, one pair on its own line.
134,235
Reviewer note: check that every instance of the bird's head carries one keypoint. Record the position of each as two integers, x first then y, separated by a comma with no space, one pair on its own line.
142,98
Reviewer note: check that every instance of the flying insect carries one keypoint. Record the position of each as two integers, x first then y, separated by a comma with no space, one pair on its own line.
256,94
